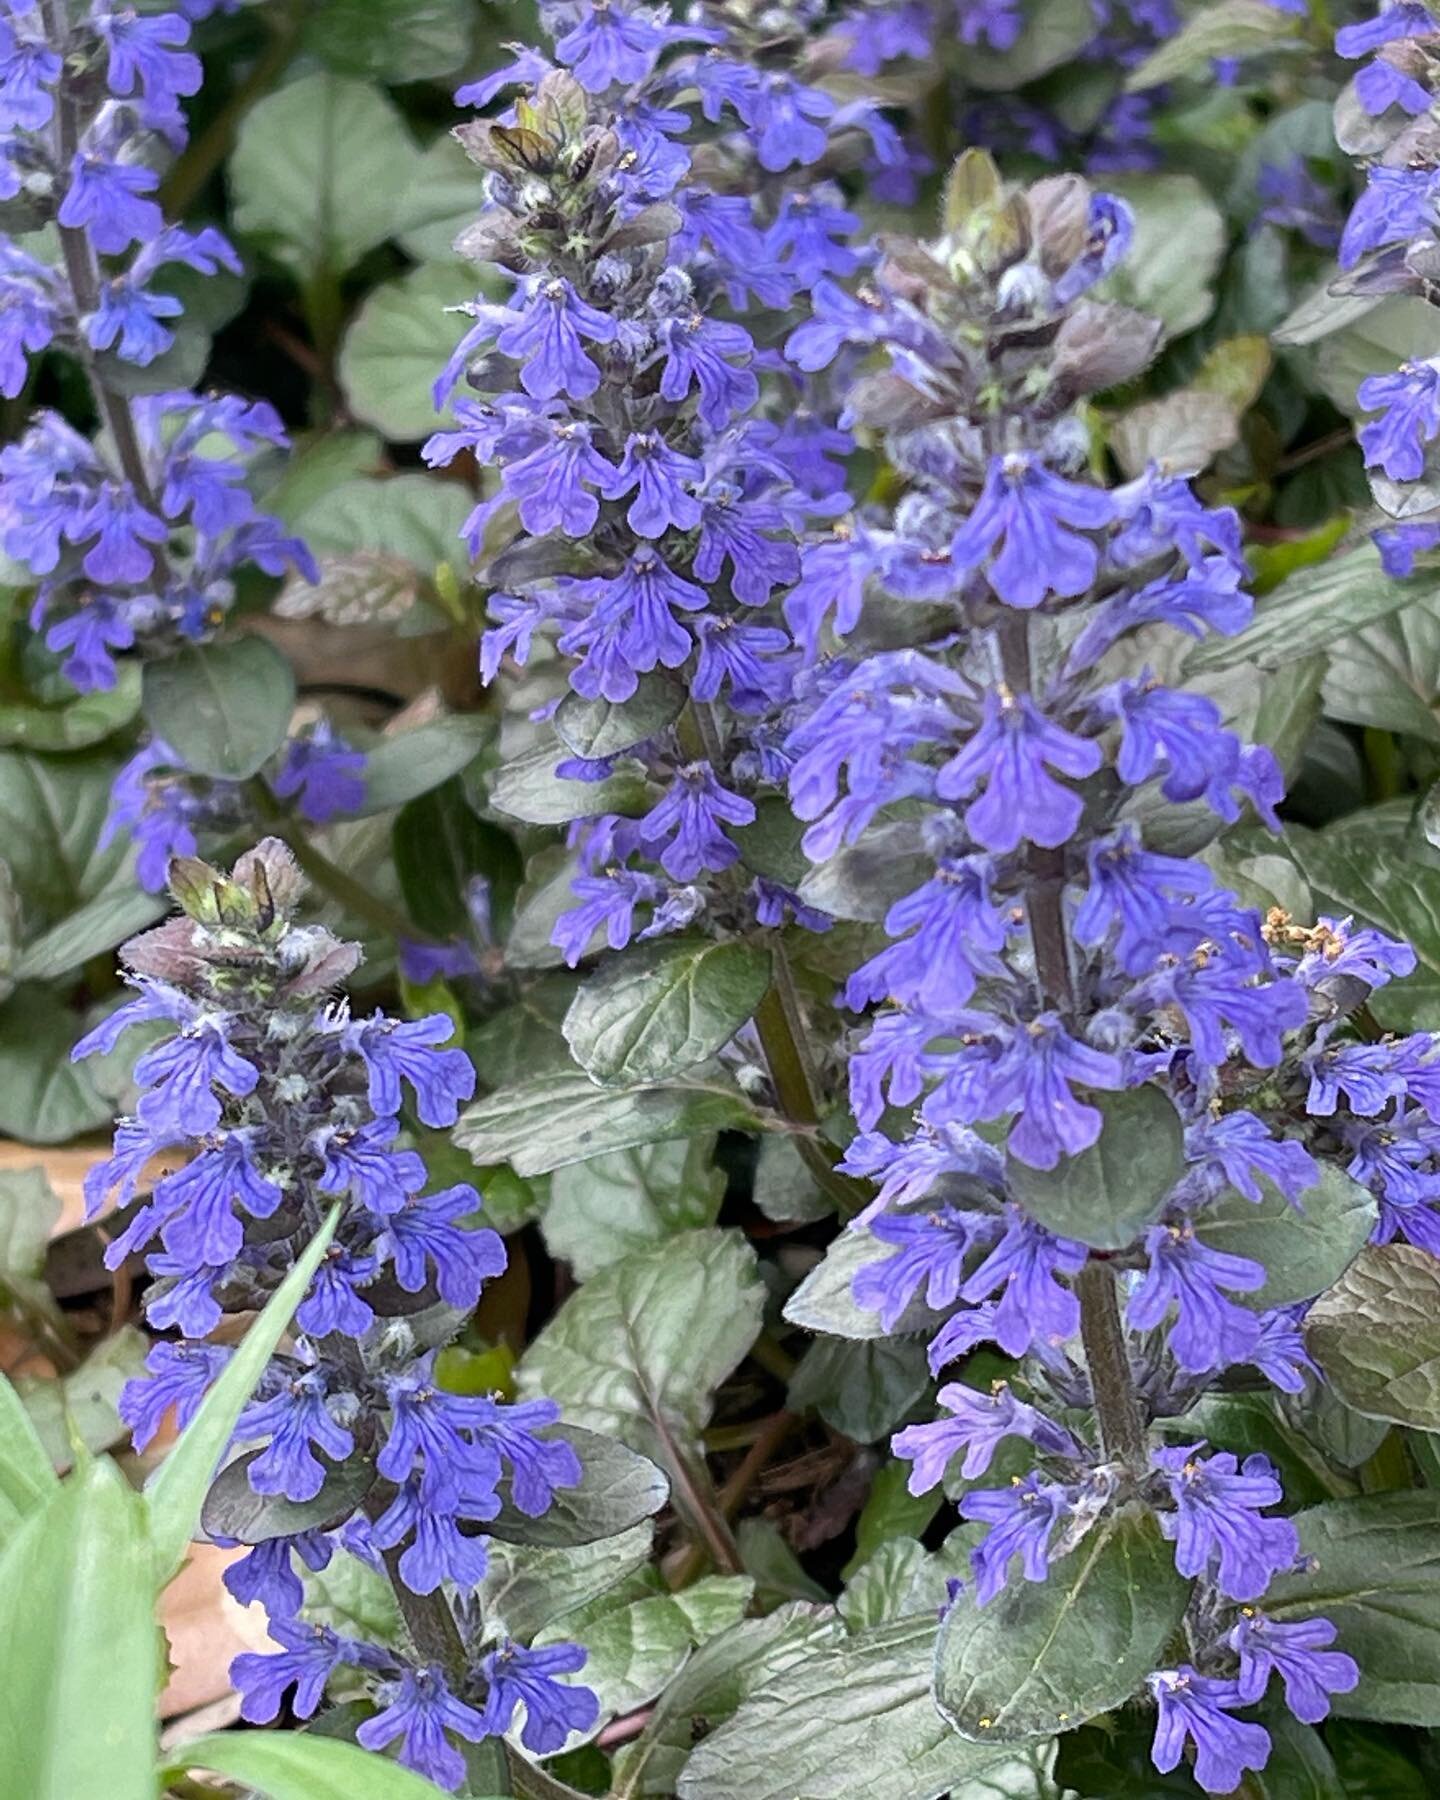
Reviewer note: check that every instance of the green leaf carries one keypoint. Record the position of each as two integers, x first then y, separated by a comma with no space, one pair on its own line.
44,1097
540,1125
890,1511
1311,610
1387,675
528,788
1377,1579
1233,29
29,1208
853,1718
1045,1656
1401,328
78,1682
901,1579
410,517
526,1586
444,196
596,729
223,708
865,879
27,1478
232,1508
1376,1335
710,1689
440,845
298,1765
410,763
1302,1249
861,1390
1054,30
77,1415
52,814
1108,1194
634,1649
176,1492
638,1352
664,1008
602,1209
318,172
77,721
618,1490
99,925
1187,426
353,1599
396,345
319,463
823,1301
401,40
1179,242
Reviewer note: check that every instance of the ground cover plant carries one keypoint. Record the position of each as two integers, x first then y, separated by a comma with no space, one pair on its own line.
720,925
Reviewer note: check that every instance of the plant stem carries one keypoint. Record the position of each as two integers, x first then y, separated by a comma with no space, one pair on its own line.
1112,1383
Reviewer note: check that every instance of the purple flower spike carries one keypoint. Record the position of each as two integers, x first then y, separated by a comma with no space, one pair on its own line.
1010,754
1036,517
1216,1527
420,1712
1210,1332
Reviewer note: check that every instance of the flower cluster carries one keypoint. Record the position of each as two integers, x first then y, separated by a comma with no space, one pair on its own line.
134,540
1390,246
278,1109
658,179
1063,993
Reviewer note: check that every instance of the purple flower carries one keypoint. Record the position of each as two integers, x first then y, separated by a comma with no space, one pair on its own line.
332,1302
324,773
439,1550
123,529
1293,198
361,1163
710,354
1022,1519
1381,85
748,657
90,634
1031,1076
392,1050
1210,1332
145,54
1389,26
310,1656
29,69
553,1709
1109,230
607,901
1239,1146
1199,1707
684,828
1399,545
1137,890
1410,399
180,1376
550,481
613,43
929,1249
1216,995
631,626
1397,205
979,1424
181,1075
107,200
659,473
803,238
294,1419
1216,1527
426,1230
546,339
783,114
1300,1652
1025,1266
268,1575
1038,515
1279,1352
1010,752
200,1199
957,930
420,1710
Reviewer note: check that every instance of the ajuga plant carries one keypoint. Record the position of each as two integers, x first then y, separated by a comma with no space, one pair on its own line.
1104,1098
134,539
284,1111
1390,246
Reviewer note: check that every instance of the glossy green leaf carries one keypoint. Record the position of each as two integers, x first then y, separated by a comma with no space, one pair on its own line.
853,1718
1376,1334
1304,1248
1045,1656
1231,29
399,40
664,1008
410,763
602,1209
75,722
526,1585
1176,252
44,1097
638,1352
299,1765
119,912
223,708
52,816
862,1390
78,1414
396,343
528,788
1387,674
540,1125
232,1508
441,845
410,517
318,172
176,1492
599,728
444,196
618,1490
1108,1194
1377,1579
1052,32
78,1682
824,1302
353,1599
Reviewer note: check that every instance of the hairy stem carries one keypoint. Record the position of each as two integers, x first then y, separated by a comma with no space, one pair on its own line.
1112,1383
